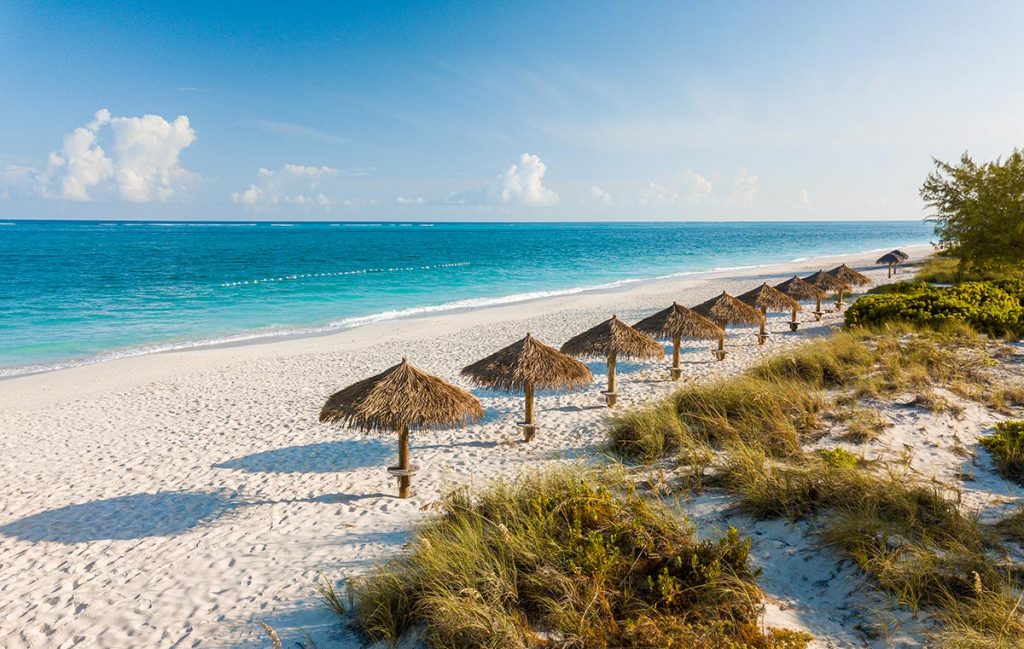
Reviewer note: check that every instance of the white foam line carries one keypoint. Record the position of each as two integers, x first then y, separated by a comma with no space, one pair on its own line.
342,273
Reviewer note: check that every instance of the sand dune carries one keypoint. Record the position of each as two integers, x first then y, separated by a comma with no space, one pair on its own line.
178,499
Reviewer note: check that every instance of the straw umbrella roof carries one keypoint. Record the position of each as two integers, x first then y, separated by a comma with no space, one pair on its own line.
726,309
889,258
528,361
798,289
678,320
902,255
823,280
849,275
613,336
401,395
769,298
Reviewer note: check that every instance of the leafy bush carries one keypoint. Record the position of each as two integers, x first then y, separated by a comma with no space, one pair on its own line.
1006,444
981,305
1012,285
569,559
916,285
838,458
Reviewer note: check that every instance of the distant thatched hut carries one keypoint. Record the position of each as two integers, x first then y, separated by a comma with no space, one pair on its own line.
827,283
612,339
767,298
800,290
398,398
890,259
851,277
725,310
525,366
678,322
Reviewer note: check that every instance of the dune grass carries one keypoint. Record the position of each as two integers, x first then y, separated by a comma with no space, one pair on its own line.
566,558
1006,444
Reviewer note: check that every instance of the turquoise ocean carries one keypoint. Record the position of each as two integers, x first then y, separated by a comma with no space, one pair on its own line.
79,292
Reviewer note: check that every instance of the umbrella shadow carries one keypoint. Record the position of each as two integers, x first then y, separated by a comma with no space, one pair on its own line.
596,406
470,444
322,457
123,518
621,367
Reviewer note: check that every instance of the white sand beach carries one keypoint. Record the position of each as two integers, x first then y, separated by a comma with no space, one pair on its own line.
178,499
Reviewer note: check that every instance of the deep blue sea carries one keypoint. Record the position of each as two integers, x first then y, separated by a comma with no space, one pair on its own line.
76,292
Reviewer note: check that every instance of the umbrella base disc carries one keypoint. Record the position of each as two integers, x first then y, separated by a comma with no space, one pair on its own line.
793,326
818,314
676,373
529,430
719,354
839,306
610,398
761,338
399,472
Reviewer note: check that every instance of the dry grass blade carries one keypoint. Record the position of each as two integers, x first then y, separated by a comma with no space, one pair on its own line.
401,396
528,362
613,336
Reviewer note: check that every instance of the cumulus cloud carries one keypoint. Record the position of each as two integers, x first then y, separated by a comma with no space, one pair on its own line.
803,199
696,187
523,184
292,184
402,200
745,187
655,195
600,195
17,180
142,164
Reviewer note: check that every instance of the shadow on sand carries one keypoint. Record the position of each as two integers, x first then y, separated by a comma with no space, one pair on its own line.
323,457
124,518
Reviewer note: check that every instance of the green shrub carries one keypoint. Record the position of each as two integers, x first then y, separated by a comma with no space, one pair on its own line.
905,287
981,305
1006,445
571,555
1014,286
838,458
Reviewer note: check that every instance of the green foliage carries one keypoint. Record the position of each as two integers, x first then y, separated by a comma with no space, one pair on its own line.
1006,445
906,287
647,434
567,559
981,305
979,211
838,458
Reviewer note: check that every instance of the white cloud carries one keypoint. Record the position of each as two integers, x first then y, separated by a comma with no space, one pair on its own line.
292,184
523,184
696,187
745,187
142,165
600,195
655,195
402,200
17,180
803,199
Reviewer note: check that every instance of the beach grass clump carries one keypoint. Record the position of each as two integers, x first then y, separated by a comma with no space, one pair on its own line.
649,433
566,558
1006,444
862,424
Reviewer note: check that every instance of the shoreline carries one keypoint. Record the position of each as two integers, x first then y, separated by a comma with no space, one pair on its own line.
446,308
188,496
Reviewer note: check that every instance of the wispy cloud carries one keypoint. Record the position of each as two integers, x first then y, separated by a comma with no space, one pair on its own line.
295,130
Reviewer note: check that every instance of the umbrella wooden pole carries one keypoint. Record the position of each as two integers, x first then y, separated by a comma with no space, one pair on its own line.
404,479
720,352
610,395
676,370
762,334
794,324
890,270
839,301
817,311
529,429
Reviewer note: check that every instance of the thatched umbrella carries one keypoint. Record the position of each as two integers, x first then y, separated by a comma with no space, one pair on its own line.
678,322
527,365
827,283
725,310
799,290
851,277
891,259
611,339
767,298
902,255
398,398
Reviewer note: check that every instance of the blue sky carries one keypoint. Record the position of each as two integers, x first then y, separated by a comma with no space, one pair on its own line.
503,111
